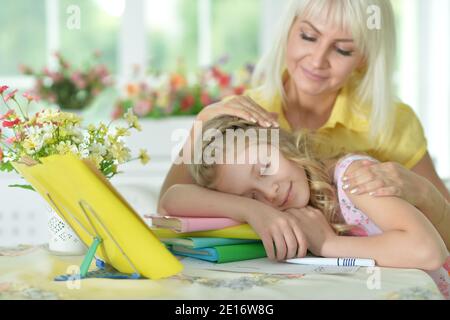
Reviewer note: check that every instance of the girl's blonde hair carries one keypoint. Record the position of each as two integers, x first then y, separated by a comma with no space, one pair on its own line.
372,86
298,148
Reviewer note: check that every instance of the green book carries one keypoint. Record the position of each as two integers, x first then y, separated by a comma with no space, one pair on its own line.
197,242
222,254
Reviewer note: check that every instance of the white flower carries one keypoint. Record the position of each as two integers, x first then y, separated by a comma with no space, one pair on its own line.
32,146
97,148
132,120
120,152
144,157
47,132
83,151
97,159
56,116
122,132
65,147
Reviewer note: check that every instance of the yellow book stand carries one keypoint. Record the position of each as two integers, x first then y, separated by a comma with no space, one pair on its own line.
100,216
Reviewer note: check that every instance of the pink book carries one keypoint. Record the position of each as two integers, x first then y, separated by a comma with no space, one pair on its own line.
191,224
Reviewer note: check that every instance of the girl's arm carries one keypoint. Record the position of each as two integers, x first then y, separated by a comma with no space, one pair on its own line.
420,186
275,228
409,240
193,200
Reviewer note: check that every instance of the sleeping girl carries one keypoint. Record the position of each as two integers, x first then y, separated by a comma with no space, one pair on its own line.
295,199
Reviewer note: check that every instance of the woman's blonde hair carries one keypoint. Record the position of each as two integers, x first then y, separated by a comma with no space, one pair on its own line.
372,86
298,148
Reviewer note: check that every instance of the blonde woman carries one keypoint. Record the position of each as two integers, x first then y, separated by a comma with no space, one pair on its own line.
330,72
289,176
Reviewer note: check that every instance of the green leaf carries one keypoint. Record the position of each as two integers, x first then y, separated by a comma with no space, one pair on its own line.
6,166
22,186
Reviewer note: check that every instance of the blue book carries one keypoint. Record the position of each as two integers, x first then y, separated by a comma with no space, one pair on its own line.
222,254
195,242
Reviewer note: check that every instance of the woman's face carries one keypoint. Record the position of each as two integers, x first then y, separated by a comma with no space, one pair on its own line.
320,57
281,186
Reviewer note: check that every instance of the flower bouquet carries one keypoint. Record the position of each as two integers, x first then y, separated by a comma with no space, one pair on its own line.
29,138
164,95
51,132
69,88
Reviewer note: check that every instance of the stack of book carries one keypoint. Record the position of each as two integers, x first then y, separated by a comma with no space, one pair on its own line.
214,249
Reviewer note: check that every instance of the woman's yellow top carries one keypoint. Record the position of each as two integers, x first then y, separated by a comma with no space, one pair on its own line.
348,130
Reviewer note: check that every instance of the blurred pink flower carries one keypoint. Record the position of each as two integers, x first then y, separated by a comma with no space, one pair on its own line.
142,108
144,86
106,81
52,98
31,97
77,78
56,76
205,99
11,124
239,90
11,140
11,95
187,102
3,89
117,112
46,72
25,69
90,78
7,114
101,71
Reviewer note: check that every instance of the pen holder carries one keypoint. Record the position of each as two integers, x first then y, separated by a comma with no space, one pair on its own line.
62,239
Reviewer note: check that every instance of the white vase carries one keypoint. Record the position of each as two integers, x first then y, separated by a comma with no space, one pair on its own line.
62,239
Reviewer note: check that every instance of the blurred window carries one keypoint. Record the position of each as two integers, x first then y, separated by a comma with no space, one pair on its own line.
22,35
98,30
173,32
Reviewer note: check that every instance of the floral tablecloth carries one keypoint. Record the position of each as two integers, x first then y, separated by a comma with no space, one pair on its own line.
27,272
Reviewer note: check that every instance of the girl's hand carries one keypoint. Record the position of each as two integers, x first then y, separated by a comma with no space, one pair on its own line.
280,229
316,228
240,106
385,180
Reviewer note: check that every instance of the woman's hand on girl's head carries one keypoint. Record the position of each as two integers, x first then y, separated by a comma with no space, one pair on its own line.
316,228
384,180
281,233
242,107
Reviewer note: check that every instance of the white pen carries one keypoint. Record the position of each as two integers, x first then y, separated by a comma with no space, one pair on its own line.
340,262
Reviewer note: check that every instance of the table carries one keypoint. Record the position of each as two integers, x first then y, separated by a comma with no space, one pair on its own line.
27,272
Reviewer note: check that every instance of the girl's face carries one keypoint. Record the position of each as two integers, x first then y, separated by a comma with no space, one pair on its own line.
320,57
283,186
